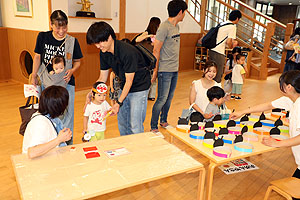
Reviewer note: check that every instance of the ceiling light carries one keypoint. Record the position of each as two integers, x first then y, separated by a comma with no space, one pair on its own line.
290,3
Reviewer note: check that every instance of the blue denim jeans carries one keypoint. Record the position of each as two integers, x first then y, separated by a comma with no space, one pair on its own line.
68,116
132,113
166,87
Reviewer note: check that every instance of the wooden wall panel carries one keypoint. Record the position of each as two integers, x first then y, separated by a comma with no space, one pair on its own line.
5,72
19,40
188,42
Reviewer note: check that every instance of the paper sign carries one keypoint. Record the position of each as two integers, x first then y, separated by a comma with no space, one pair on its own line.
236,166
116,152
31,90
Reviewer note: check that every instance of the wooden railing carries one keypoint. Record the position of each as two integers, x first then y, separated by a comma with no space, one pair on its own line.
263,34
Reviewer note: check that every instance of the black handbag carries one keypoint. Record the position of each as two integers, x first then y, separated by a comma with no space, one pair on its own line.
26,113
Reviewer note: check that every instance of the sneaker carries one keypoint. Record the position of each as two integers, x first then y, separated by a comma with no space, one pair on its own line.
154,130
238,98
165,125
232,97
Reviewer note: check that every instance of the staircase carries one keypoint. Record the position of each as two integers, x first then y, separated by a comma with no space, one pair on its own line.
262,34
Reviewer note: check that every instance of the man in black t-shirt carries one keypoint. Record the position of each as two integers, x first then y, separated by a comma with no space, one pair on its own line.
129,65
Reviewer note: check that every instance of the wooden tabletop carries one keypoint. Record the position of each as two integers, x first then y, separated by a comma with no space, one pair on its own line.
207,152
66,174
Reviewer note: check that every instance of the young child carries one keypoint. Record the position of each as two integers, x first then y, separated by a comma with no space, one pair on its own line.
198,94
57,75
58,63
216,97
290,86
94,122
238,77
228,68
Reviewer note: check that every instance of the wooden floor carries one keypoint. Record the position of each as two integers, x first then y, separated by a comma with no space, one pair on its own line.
241,186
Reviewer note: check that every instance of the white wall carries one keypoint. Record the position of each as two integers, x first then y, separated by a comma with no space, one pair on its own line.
39,20
102,9
139,12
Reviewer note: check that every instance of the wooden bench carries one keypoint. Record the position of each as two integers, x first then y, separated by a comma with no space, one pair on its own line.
287,187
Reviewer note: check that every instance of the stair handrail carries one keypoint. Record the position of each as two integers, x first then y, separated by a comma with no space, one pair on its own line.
259,13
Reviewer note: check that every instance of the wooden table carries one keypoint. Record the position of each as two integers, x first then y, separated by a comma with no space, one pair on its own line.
66,174
215,160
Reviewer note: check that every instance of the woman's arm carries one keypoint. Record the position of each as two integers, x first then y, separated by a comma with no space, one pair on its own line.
192,100
283,143
142,37
35,68
41,149
258,108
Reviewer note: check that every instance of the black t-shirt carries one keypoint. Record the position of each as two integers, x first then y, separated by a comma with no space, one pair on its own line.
46,45
127,59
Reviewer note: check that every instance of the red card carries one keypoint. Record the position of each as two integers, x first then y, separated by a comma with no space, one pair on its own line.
94,148
92,155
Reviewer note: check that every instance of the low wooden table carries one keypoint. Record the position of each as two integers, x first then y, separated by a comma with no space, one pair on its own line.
66,174
215,160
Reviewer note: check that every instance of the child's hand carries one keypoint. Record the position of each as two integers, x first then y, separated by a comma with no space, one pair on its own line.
208,115
64,135
269,141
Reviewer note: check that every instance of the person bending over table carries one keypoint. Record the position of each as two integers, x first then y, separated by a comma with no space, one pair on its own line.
45,130
290,86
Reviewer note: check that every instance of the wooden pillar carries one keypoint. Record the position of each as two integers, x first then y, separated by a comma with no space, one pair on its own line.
202,14
288,33
265,56
248,66
49,12
122,18
252,31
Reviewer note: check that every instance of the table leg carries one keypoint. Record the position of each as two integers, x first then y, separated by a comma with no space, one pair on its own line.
210,178
201,184
171,139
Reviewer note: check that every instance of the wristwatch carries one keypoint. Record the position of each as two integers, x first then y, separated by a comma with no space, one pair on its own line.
120,103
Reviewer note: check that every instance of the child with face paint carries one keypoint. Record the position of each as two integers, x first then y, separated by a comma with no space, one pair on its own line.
94,122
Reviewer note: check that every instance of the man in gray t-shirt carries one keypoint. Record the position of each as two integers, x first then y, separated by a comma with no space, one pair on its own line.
166,51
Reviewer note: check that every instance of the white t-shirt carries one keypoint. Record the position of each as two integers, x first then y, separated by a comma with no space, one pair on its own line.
223,32
96,113
237,72
201,97
38,131
294,129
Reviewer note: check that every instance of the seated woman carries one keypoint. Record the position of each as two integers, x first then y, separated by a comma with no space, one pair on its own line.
198,96
44,131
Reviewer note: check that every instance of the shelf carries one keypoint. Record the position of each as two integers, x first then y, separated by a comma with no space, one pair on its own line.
90,18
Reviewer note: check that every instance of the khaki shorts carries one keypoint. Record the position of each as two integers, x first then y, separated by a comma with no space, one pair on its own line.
98,136
236,88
